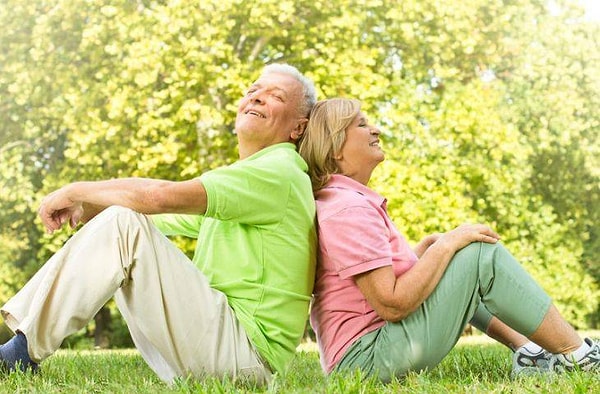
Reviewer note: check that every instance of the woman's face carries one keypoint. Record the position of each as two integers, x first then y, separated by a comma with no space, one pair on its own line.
361,152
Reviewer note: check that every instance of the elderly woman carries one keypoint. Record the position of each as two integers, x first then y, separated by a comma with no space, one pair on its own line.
386,308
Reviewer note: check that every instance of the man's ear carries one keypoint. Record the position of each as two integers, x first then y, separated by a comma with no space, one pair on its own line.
298,131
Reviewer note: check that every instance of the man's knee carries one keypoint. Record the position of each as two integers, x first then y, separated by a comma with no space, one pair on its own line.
120,216
117,210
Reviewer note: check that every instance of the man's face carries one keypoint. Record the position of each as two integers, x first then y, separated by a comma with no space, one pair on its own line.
269,112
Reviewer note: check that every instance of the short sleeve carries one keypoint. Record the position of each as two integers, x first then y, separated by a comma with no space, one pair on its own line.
176,224
355,240
253,192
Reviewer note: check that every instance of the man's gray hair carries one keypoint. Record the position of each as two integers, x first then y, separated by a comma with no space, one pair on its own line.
308,87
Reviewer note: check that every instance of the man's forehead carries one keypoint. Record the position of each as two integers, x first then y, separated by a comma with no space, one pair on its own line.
278,81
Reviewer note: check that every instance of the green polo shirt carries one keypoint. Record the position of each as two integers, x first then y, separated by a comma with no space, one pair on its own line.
257,244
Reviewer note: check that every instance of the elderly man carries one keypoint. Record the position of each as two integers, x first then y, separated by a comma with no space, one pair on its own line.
239,308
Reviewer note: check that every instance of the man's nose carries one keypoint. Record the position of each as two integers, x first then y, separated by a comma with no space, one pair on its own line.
257,96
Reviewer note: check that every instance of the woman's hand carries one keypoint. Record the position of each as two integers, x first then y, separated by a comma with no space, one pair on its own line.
426,242
394,298
465,234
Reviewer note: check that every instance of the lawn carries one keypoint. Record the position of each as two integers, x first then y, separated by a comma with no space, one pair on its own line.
474,366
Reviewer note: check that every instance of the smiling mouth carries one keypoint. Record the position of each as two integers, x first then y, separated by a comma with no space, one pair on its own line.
250,112
374,143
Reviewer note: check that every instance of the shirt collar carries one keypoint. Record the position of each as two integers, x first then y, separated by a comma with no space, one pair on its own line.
343,182
266,150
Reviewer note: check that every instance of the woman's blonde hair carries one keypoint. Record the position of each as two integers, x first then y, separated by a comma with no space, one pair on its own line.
324,137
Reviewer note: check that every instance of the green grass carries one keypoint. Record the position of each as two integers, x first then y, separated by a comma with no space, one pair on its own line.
469,368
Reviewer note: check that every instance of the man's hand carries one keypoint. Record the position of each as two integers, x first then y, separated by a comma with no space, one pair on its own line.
58,208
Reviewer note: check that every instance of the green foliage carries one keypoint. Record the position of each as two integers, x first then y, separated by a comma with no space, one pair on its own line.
489,111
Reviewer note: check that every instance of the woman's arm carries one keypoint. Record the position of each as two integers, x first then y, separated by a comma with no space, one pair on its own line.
425,243
395,298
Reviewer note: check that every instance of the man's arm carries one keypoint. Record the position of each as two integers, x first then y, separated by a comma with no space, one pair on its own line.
89,211
148,196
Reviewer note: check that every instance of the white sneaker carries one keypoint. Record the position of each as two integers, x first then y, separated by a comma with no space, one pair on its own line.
588,363
526,363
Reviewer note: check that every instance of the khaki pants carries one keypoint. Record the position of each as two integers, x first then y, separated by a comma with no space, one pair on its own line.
180,325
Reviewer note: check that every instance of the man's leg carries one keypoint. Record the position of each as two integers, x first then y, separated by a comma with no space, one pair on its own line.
181,324
71,287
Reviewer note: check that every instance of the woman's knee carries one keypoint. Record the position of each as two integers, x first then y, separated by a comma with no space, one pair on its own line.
482,251
474,258
470,252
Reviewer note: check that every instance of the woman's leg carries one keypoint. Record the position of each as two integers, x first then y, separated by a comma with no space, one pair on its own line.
493,327
555,334
478,273
528,357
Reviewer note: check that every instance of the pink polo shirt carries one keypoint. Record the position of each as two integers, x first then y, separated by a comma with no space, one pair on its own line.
355,236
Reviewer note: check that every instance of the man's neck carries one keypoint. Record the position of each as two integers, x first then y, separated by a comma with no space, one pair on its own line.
246,150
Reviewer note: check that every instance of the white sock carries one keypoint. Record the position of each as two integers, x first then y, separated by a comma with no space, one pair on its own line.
531,347
581,352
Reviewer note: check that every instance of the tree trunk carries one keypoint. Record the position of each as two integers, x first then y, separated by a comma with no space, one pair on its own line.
103,322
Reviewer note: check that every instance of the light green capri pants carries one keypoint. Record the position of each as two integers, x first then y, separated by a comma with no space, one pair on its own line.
481,280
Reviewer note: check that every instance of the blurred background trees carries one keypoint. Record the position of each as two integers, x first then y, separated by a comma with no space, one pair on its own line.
489,111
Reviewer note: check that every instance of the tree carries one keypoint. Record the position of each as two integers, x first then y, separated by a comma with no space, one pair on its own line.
477,125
